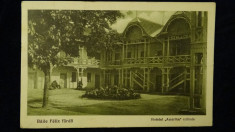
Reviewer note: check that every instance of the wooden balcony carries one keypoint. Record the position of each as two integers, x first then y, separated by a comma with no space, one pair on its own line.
159,60
180,59
93,63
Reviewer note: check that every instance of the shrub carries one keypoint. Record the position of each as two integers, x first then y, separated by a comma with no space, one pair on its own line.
54,85
111,93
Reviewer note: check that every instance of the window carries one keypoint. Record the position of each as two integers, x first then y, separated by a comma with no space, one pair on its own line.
73,76
117,56
88,77
142,54
129,55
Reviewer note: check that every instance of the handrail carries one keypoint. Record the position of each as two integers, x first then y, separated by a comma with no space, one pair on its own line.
137,76
140,74
138,83
176,77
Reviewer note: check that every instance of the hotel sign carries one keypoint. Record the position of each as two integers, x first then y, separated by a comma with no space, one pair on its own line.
178,37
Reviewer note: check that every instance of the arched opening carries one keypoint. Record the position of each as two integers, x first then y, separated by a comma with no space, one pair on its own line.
156,78
134,34
179,37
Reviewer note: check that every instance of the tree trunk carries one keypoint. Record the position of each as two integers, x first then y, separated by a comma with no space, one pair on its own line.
46,87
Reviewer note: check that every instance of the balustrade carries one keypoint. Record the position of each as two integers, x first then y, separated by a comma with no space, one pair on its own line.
79,61
158,60
151,60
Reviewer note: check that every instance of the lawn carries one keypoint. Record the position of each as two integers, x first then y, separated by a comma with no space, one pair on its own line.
69,102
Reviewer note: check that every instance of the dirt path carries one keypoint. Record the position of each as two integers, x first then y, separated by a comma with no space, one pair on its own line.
69,101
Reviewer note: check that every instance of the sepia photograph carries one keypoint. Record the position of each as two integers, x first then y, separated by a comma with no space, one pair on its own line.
79,63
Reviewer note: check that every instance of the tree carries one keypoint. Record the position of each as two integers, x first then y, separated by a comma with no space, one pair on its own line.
52,31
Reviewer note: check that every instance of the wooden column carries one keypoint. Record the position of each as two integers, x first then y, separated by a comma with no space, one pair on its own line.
163,79
119,77
204,84
163,48
123,53
144,51
82,75
192,79
126,50
78,75
148,77
122,78
185,80
125,77
168,50
148,48
130,79
167,79
168,47
104,78
144,79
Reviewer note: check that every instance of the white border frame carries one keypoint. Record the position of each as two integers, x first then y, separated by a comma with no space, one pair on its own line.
109,120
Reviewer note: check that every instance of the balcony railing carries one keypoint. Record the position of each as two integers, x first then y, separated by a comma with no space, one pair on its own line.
180,59
85,62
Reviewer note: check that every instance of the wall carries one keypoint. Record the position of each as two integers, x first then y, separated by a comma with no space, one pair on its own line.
93,72
66,70
35,79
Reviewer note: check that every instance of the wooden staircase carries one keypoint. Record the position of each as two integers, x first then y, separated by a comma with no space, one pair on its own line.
176,81
139,79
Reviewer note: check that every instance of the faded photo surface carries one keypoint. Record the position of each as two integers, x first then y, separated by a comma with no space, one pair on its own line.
94,67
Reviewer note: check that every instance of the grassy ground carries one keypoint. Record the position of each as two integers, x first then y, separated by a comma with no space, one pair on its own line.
69,102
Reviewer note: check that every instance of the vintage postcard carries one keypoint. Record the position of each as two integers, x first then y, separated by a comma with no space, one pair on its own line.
116,64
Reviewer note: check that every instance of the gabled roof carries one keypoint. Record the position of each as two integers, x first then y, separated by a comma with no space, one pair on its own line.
151,28
184,14
154,29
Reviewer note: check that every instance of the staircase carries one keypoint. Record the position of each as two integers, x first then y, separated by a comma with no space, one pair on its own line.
176,81
139,79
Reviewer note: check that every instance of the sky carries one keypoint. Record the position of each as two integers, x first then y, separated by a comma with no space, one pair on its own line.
159,17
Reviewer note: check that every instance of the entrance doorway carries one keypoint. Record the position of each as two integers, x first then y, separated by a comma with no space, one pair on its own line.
158,83
63,80
97,81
